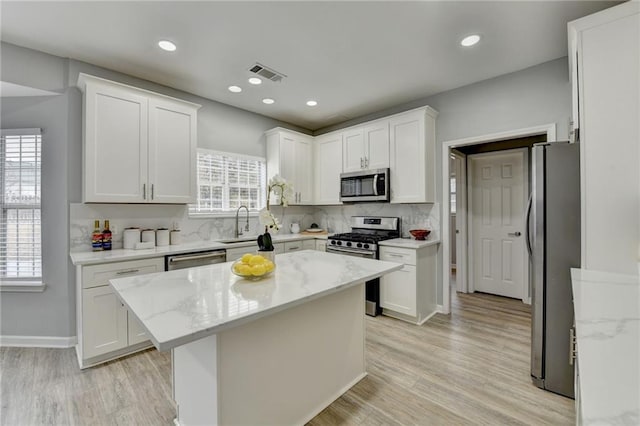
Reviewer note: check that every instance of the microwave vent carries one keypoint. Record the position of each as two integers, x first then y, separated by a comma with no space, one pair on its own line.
266,72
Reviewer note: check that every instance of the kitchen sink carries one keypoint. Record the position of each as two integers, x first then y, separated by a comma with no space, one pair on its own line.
238,240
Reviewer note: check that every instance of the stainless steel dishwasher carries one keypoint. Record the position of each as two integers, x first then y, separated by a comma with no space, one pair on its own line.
190,260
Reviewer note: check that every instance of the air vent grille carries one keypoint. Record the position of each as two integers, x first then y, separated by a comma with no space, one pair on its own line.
266,72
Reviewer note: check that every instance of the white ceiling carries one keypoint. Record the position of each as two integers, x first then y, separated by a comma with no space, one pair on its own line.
354,58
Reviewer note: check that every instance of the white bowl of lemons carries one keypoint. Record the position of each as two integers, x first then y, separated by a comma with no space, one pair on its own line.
253,266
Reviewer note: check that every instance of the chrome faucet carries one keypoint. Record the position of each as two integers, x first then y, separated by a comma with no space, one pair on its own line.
246,228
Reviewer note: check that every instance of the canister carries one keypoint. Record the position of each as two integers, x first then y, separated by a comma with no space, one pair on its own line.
149,236
162,237
130,237
175,237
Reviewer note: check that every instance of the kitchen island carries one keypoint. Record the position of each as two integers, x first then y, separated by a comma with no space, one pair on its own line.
274,351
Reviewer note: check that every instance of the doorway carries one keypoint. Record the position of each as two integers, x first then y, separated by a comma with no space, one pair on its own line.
475,145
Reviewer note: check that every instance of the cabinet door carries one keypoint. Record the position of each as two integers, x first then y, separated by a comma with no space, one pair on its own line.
309,245
321,245
353,151
135,331
303,183
115,138
407,158
278,248
104,322
328,163
398,291
376,137
172,152
236,253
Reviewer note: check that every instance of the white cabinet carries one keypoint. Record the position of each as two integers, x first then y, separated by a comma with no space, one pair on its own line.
290,246
321,245
412,156
234,254
328,166
308,244
290,154
105,328
410,293
149,137
366,147
605,65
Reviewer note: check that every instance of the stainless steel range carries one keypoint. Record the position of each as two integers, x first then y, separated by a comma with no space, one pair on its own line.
362,241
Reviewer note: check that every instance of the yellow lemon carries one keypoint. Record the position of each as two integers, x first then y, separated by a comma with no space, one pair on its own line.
269,266
246,257
243,269
256,260
258,270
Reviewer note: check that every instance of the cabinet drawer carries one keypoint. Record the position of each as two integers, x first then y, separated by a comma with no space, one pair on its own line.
293,246
398,255
97,275
236,253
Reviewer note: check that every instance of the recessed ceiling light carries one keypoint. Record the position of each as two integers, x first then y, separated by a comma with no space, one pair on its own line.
235,89
312,103
167,45
268,101
470,40
255,80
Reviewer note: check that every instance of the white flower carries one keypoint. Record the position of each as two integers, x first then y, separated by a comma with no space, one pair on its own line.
267,219
282,189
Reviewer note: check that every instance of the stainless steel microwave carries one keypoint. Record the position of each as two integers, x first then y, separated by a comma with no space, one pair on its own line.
365,185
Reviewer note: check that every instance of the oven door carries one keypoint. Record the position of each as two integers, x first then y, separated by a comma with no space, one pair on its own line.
372,288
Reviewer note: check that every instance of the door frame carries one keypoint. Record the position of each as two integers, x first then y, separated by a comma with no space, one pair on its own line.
525,192
548,129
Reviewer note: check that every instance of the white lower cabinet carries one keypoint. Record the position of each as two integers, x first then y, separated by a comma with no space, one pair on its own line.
321,245
105,328
410,293
290,246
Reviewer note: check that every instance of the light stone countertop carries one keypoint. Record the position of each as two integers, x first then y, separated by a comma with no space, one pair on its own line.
97,257
409,243
607,312
178,307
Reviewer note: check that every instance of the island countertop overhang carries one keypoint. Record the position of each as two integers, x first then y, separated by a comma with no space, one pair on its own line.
181,306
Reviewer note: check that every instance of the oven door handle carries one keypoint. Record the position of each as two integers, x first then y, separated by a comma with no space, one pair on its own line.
342,250
375,184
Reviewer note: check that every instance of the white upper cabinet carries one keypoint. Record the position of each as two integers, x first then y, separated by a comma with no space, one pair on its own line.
412,156
328,166
366,147
290,154
605,64
150,137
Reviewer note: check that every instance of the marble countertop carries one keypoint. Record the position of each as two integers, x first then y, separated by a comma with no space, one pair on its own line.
607,312
96,257
184,305
409,243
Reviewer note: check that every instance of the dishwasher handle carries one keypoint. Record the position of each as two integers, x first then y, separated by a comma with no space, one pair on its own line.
212,255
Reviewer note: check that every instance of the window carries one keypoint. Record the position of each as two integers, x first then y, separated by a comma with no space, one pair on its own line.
227,181
20,220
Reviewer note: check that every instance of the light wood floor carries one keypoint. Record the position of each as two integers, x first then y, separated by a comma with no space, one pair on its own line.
471,367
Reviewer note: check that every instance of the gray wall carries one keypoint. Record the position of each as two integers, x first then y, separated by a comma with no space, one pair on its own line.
534,96
221,127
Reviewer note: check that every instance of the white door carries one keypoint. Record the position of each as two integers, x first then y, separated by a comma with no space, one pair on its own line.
376,137
104,321
172,152
353,150
498,188
328,163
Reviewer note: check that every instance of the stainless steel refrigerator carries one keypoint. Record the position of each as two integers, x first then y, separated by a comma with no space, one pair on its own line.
553,241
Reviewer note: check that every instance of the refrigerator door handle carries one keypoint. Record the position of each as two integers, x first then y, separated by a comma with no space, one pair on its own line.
527,227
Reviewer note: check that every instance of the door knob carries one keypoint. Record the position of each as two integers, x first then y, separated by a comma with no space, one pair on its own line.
515,234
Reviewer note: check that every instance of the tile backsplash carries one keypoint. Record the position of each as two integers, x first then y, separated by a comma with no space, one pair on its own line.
333,218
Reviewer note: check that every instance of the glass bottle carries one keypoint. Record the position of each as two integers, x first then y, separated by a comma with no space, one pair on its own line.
96,237
106,236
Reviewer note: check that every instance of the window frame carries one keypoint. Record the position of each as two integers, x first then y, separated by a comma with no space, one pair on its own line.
193,214
22,284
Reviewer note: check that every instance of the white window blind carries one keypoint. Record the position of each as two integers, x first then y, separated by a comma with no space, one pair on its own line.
227,181
20,220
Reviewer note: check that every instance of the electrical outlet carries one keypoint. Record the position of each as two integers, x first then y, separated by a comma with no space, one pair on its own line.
115,229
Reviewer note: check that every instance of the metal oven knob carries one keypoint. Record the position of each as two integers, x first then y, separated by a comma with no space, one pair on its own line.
359,245
366,246
348,244
339,243
333,242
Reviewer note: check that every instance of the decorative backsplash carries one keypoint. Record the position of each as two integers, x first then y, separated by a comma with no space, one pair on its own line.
332,218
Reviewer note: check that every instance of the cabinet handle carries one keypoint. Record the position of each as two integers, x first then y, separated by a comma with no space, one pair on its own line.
294,248
152,187
395,255
144,191
515,234
129,271
361,163
366,162
572,346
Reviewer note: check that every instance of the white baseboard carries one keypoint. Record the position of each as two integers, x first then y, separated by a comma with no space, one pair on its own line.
440,309
38,341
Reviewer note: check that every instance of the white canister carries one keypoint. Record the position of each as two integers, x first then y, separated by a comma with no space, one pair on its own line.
162,237
149,236
175,237
130,237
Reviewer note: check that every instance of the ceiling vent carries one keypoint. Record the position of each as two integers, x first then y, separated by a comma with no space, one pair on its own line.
266,72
